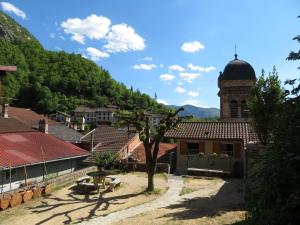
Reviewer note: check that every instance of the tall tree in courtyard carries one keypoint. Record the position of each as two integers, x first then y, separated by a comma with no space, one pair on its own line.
266,97
272,192
295,55
151,136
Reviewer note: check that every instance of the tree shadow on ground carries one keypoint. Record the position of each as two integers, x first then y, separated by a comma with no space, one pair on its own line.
228,198
94,201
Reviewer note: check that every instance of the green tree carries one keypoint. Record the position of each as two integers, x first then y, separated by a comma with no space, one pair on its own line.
273,192
266,98
295,55
150,136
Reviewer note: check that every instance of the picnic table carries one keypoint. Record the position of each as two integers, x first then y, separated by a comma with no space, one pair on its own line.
99,178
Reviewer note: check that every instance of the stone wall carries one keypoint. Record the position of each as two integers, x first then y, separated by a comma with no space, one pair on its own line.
160,167
237,90
71,177
63,179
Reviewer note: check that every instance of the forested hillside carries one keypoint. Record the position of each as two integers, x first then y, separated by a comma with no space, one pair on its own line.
47,81
198,112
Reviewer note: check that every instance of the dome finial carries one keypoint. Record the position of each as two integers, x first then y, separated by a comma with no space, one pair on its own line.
235,55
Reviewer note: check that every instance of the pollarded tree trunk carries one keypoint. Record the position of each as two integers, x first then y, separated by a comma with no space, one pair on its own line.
151,167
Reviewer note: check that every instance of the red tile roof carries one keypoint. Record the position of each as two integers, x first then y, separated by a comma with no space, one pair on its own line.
109,138
214,130
27,116
17,149
9,125
164,148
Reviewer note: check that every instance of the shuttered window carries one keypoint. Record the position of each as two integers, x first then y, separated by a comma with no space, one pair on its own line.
237,150
216,148
183,148
202,146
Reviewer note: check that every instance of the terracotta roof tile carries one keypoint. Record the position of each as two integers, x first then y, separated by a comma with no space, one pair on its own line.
214,130
27,116
164,148
10,125
108,138
17,149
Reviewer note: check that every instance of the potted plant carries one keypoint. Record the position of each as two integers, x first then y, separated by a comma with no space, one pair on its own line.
104,159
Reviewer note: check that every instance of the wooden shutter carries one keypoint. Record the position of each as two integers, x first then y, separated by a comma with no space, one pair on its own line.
183,148
237,150
216,147
201,146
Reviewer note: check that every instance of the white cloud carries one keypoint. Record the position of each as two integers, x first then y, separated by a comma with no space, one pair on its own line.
123,38
176,68
162,101
179,90
147,58
194,46
8,7
95,54
188,76
193,94
194,103
200,68
92,27
180,83
144,66
161,65
166,77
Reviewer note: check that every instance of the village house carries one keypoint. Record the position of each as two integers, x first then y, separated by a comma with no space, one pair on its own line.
166,155
29,155
95,115
108,138
220,147
43,124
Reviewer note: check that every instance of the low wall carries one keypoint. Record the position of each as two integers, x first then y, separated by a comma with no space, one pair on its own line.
160,167
71,177
64,179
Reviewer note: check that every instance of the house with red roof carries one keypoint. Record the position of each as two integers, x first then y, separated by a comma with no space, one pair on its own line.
27,154
212,146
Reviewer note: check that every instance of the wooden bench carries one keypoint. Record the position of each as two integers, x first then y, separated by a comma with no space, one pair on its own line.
209,171
87,187
113,183
81,180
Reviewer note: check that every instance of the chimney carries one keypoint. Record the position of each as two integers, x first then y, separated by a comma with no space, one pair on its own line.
5,110
43,126
82,123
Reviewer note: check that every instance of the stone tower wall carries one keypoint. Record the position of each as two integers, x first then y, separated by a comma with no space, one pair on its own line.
237,90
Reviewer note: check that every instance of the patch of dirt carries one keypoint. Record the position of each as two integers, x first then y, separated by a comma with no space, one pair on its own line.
202,207
67,206
192,184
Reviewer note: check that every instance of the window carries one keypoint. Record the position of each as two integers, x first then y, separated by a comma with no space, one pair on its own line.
193,148
233,109
244,109
227,149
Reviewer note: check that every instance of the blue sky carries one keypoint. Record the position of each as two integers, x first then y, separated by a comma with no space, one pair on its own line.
175,48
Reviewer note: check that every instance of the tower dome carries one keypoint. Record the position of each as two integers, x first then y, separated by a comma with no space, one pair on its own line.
237,70
235,85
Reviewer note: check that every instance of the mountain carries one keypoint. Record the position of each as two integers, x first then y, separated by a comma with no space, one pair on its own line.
47,81
200,112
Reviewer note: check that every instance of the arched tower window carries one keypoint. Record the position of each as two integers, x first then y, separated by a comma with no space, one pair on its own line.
244,109
233,109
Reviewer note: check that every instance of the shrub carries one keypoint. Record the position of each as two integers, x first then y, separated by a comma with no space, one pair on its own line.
104,159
